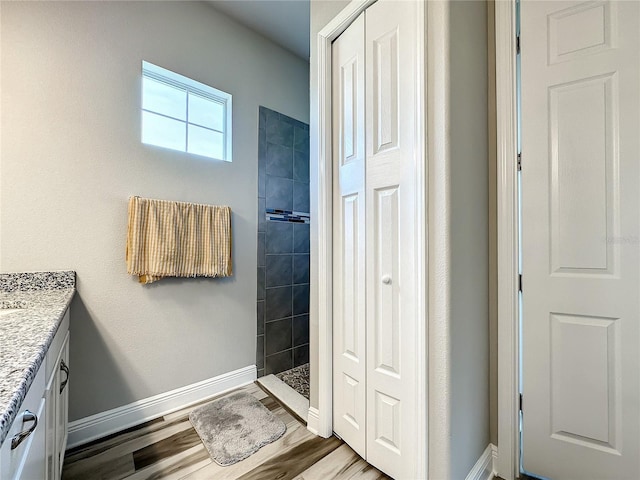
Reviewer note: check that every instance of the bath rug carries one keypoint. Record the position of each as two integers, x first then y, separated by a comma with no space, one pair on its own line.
235,426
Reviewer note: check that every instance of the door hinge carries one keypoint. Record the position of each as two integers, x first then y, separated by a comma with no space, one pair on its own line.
520,282
520,162
518,44
520,402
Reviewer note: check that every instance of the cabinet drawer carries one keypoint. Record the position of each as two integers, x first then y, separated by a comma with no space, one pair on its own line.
53,353
13,461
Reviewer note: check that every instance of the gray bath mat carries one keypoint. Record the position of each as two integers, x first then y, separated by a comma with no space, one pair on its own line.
235,426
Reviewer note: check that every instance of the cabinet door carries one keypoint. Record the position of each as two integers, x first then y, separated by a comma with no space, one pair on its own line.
33,462
50,396
62,405
15,461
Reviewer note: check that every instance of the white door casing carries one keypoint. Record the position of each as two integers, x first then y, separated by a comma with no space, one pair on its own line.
349,307
581,238
390,236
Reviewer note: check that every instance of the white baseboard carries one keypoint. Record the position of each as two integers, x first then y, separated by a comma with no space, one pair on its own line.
313,420
102,424
484,468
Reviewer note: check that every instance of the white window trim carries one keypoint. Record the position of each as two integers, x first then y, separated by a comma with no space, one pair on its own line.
162,74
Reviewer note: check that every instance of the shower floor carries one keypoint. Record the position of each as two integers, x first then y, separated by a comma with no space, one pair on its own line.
298,379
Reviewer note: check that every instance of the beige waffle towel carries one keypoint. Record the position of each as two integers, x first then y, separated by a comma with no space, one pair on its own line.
176,239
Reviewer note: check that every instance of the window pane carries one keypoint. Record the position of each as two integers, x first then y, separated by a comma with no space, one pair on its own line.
206,142
165,99
163,131
206,112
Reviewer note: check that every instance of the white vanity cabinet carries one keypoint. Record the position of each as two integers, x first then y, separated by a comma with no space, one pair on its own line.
57,400
34,448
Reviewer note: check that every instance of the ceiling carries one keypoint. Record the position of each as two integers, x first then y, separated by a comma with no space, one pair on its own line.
285,22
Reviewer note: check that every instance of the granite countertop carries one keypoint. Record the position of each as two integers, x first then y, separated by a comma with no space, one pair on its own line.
25,335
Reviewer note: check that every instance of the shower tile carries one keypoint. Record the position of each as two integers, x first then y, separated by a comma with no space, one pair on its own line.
301,166
271,116
261,288
301,355
300,330
260,352
300,197
261,372
300,299
279,161
278,303
260,317
278,336
262,183
262,210
279,131
261,249
301,268
300,238
300,139
279,237
279,193
279,362
262,116
262,145
279,270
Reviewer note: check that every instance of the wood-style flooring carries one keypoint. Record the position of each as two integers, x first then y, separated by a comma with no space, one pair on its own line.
169,448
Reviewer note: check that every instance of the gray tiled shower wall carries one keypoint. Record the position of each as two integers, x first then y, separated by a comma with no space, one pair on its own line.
283,247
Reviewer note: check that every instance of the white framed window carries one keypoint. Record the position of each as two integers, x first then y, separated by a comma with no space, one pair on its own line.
182,114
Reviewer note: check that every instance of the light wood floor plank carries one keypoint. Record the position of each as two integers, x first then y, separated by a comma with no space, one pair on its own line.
93,448
343,464
127,448
287,465
116,469
176,466
170,446
334,465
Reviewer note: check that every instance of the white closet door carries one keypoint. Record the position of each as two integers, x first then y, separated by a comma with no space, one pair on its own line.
349,355
390,232
581,239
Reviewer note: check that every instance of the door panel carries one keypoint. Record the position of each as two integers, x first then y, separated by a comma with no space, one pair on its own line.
581,238
391,230
349,356
386,311
583,177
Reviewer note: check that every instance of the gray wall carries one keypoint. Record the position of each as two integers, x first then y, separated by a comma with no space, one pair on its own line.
71,156
469,236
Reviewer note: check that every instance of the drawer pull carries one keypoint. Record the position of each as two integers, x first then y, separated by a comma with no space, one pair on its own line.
65,369
27,416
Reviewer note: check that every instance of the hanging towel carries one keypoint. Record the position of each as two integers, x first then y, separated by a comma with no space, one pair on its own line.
177,239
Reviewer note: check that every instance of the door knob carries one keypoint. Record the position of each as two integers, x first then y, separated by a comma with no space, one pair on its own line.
386,279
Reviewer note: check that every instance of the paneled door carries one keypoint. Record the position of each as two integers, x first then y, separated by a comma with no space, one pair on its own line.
375,226
349,307
581,238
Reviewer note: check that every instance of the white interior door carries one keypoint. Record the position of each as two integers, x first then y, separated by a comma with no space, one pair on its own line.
580,238
374,198
391,229
349,354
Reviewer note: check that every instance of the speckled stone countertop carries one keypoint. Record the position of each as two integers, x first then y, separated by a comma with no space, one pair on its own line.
25,335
